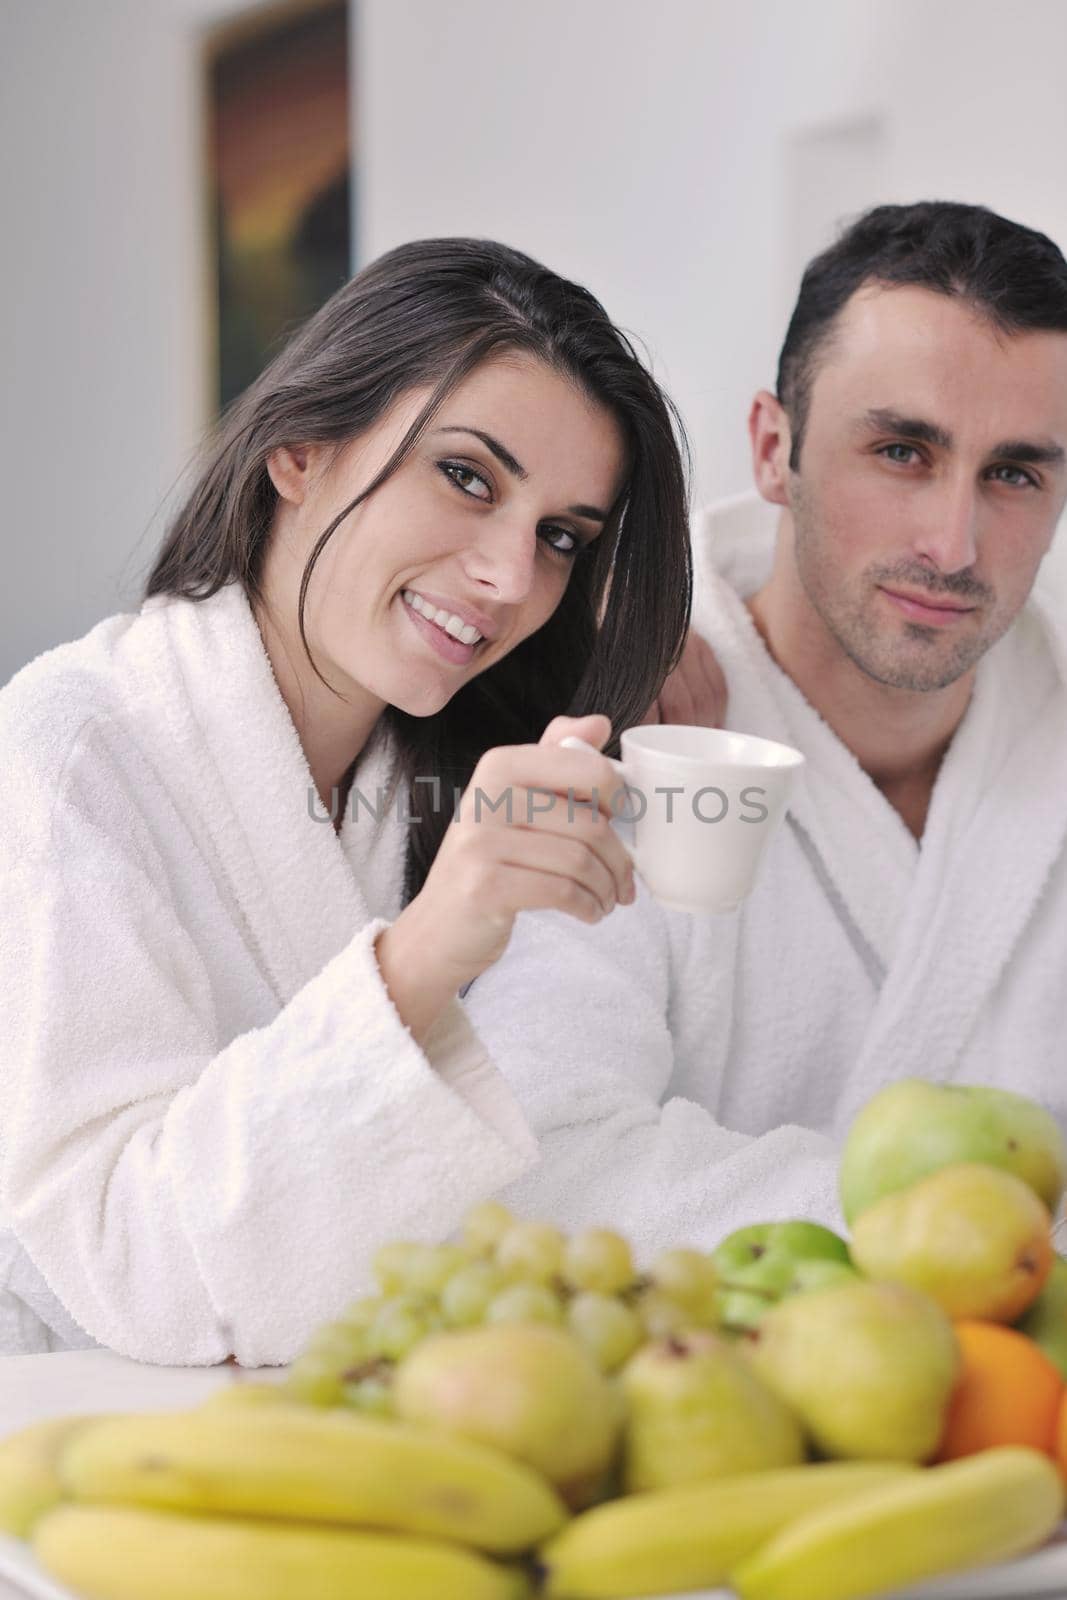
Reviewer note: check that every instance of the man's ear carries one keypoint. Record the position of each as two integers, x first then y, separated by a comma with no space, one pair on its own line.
291,468
772,440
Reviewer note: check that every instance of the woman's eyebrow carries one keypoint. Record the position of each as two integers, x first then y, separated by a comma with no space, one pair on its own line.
502,453
506,459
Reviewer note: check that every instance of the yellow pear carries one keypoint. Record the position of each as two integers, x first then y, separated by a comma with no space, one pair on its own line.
976,1239
695,1409
868,1367
527,1389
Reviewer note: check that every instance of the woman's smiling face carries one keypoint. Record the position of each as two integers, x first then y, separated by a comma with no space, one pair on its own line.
465,550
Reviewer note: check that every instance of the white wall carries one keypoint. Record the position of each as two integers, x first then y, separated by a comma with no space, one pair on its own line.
649,148
99,284
633,144
667,152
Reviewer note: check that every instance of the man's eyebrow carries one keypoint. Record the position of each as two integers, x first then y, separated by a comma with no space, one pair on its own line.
506,459
1029,451
1026,451
884,421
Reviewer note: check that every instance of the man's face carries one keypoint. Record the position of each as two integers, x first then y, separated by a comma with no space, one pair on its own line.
932,473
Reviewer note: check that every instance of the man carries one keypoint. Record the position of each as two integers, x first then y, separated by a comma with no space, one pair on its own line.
687,1074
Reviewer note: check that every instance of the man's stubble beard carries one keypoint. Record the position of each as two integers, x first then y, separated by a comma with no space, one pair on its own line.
921,661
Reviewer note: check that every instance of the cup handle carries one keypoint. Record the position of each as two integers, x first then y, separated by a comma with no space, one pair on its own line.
572,742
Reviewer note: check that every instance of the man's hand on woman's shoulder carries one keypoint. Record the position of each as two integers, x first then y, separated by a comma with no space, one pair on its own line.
695,692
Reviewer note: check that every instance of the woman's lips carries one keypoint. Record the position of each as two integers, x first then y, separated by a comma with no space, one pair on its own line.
449,649
933,616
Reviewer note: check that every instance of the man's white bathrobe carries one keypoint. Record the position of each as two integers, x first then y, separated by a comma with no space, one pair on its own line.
210,1112
689,1074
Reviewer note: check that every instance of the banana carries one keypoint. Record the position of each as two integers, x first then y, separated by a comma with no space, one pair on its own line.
124,1553
289,1461
984,1508
29,1482
670,1540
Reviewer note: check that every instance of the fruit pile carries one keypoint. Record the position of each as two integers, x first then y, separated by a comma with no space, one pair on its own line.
521,1413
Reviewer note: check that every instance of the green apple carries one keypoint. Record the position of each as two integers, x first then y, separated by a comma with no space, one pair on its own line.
754,1289
751,1289
1045,1322
868,1367
912,1128
796,1241
820,1274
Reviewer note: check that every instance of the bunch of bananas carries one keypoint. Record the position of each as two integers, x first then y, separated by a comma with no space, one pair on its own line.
271,1502
822,1531
276,1501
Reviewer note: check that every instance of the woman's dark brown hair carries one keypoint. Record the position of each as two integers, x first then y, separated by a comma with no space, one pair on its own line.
425,315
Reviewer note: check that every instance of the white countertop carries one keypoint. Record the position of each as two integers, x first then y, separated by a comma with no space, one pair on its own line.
72,1381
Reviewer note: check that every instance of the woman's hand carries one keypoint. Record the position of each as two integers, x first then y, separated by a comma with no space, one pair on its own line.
696,692
528,836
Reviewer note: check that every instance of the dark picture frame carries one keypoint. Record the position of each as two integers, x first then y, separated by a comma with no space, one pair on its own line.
280,180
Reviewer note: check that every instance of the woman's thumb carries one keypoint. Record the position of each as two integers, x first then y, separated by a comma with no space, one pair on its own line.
595,730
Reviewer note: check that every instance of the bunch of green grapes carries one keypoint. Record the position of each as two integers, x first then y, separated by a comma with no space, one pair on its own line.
503,1269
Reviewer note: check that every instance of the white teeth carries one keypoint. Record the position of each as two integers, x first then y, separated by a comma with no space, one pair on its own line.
447,621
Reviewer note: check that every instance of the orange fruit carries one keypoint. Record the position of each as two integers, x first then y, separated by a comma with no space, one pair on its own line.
1008,1392
1061,1437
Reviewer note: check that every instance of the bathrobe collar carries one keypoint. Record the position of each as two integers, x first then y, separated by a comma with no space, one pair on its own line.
946,915
230,744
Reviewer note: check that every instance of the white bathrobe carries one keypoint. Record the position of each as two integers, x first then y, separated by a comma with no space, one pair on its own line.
210,1111
685,1074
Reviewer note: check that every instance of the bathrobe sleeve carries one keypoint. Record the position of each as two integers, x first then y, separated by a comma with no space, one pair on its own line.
185,1200
593,1027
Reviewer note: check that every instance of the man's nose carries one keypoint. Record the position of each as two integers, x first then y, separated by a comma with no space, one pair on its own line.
949,538
502,563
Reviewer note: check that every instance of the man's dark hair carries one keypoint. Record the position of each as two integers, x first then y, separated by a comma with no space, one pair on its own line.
1014,275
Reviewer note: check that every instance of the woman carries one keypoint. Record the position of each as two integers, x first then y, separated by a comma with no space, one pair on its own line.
452,507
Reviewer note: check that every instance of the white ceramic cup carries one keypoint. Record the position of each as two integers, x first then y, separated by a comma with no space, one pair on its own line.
701,804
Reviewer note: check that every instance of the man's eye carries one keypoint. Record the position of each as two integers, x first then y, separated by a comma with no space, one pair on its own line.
1016,477
902,454
466,480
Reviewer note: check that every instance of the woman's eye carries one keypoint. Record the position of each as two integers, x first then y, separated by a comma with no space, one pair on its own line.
902,454
561,540
466,480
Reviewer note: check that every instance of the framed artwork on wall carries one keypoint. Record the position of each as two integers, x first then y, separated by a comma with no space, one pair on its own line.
280,177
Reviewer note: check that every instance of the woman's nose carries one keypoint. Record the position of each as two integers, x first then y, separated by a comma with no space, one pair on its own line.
502,562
